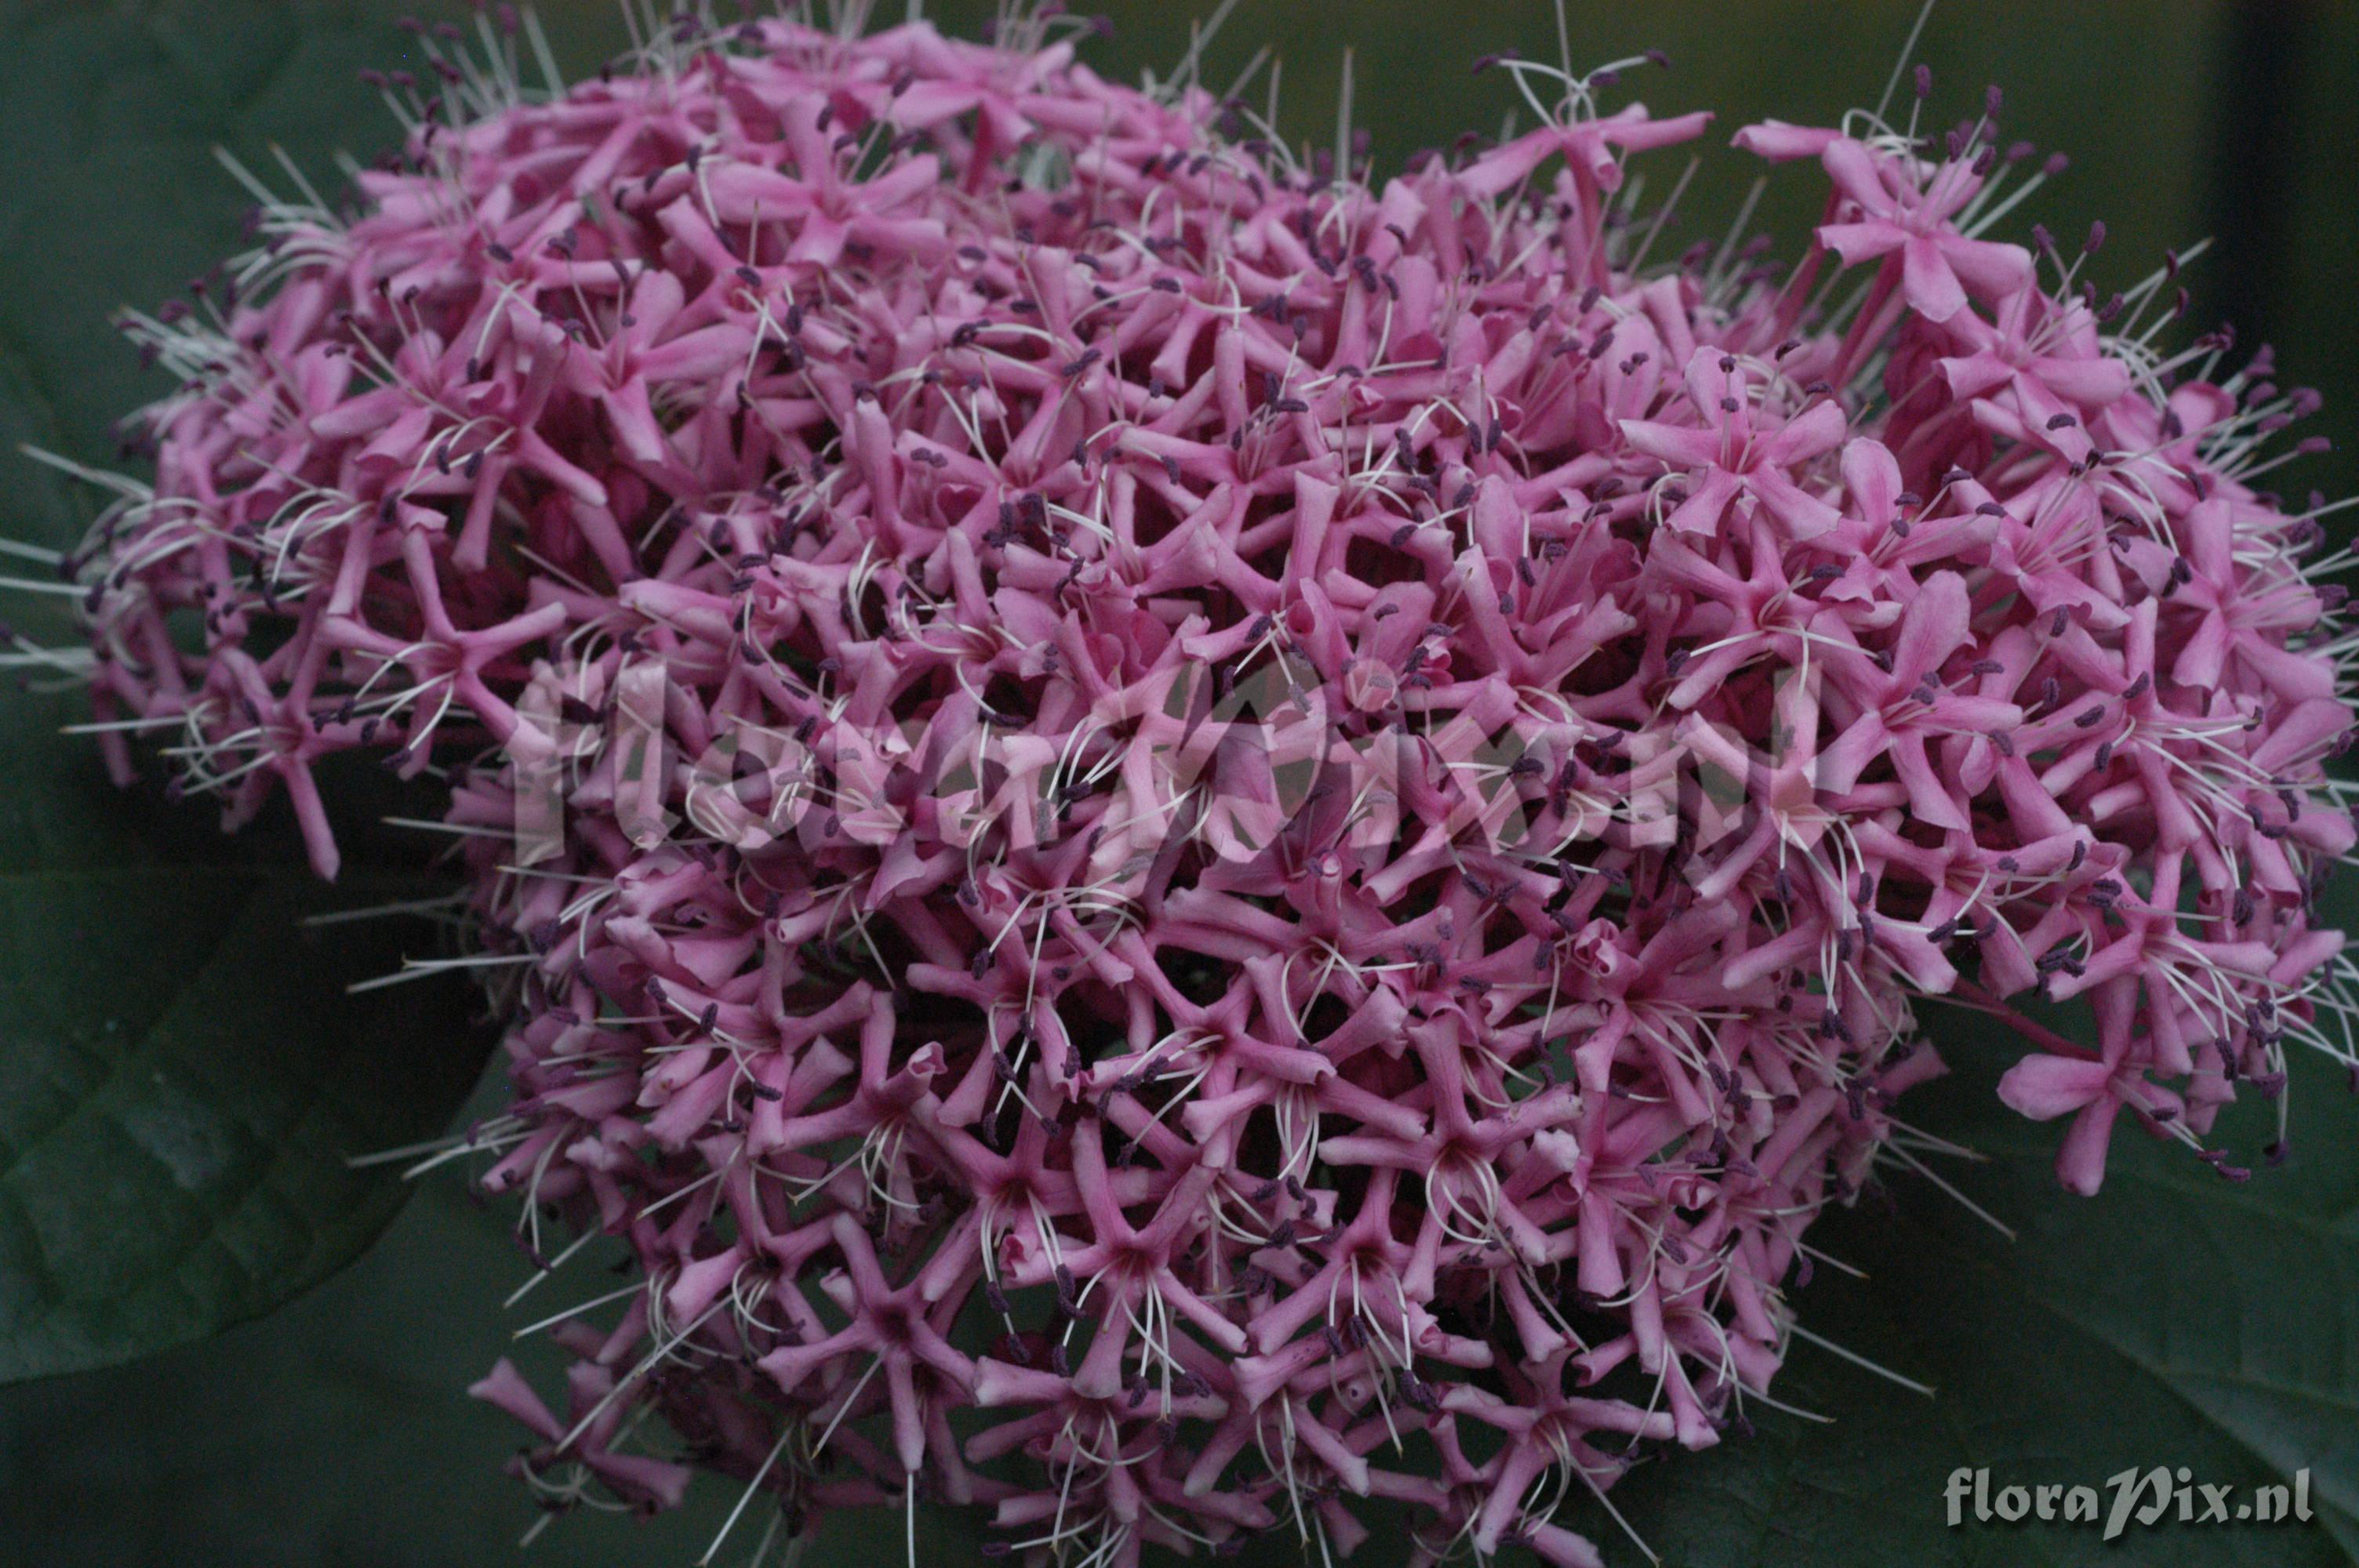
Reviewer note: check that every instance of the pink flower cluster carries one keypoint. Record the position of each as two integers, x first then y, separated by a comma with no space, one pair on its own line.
1176,838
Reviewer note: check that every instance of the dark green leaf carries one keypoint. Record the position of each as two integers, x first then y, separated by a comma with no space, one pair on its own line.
182,1076
2174,1319
335,1435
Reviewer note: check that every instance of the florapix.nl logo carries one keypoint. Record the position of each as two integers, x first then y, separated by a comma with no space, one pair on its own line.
2132,1497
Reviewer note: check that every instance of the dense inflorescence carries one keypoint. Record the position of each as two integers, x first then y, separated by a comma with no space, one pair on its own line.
1178,838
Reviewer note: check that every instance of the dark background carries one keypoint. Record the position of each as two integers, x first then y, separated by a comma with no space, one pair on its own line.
333,1433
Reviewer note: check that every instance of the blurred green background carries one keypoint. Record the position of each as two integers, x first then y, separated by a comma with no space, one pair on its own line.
333,1433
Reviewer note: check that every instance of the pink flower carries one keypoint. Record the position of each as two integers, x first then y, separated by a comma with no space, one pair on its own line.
1903,709
2048,363
1592,148
1735,458
2091,1090
1894,207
